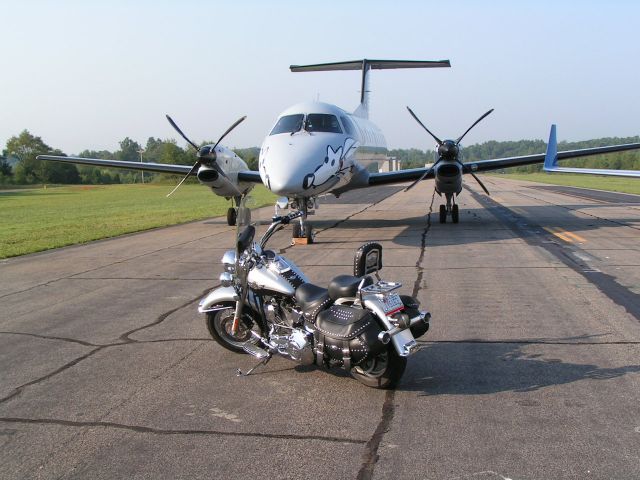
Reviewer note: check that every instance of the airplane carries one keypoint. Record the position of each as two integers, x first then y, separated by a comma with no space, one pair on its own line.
317,148
551,163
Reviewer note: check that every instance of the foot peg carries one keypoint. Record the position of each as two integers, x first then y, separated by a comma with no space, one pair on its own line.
257,352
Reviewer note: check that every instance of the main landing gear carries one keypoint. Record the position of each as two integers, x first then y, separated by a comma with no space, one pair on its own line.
451,208
234,213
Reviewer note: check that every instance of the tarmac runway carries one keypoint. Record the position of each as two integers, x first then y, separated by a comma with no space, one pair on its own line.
531,369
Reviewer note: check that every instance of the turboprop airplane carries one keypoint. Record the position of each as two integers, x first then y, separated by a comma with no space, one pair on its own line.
551,163
317,148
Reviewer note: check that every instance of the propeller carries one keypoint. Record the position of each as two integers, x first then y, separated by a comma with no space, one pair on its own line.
447,149
205,155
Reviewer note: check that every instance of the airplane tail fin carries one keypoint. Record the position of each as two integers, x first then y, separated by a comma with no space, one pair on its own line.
365,65
551,157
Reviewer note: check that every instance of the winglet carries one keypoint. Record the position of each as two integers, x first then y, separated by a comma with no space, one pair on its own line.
551,157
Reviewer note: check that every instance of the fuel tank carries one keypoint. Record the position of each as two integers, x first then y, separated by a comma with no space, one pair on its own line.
278,275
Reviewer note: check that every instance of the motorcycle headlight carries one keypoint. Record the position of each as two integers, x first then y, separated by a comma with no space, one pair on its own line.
226,279
229,261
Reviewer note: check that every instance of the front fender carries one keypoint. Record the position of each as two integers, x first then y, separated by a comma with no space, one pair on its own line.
217,296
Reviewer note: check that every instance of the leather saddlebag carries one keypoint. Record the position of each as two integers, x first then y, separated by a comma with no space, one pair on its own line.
346,335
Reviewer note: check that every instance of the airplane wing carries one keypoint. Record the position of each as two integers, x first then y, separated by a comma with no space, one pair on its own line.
500,163
243,176
97,162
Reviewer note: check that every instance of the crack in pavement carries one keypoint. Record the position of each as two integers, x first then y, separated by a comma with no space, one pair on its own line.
18,390
159,431
345,219
125,340
125,337
370,456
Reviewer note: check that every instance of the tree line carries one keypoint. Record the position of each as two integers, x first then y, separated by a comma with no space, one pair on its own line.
18,164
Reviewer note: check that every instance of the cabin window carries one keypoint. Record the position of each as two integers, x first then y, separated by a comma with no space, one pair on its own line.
321,122
288,124
348,126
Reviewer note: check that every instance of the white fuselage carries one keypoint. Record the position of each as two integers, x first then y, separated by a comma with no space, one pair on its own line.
315,148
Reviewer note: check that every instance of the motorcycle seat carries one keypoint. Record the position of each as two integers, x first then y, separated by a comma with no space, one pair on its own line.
344,286
312,299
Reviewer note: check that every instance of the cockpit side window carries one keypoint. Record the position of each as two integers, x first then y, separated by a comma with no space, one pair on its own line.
322,122
348,126
288,124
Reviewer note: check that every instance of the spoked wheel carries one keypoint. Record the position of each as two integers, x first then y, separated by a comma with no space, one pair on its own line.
231,216
220,323
381,371
455,215
443,214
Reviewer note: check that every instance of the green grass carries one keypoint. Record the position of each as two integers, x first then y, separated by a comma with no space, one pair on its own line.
40,219
597,182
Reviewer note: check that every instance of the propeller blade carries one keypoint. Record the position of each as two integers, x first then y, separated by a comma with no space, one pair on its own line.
422,177
193,169
481,184
474,124
422,125
177,129
235,124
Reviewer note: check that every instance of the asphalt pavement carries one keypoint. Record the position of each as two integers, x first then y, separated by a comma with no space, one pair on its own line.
531,369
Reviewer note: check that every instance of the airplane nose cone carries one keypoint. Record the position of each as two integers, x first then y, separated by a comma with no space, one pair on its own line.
298,165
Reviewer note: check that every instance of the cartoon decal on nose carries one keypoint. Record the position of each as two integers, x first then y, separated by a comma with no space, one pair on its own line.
333,165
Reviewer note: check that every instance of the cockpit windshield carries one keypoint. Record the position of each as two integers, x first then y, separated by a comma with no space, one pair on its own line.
288,124
322,122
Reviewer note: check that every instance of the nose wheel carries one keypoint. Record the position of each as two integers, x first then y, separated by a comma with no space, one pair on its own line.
302,233
449,209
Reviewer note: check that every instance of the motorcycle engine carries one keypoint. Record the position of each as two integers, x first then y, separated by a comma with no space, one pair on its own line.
287,336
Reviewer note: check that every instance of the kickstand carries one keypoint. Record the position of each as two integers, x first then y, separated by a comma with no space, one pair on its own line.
239,373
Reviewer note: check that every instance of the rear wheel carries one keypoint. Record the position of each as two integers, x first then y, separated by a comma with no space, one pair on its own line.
381,371
443,214
219,324
455,216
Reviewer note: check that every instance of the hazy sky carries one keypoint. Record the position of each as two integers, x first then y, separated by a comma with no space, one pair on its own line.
85,74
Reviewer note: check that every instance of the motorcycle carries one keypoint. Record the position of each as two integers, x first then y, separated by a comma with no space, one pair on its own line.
266,306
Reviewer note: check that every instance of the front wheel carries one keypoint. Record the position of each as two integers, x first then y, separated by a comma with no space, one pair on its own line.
219,324
382,371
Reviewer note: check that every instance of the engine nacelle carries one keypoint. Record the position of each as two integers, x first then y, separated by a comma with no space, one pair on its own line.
448,177
226,185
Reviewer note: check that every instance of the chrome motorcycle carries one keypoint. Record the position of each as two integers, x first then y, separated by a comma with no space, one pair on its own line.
266,306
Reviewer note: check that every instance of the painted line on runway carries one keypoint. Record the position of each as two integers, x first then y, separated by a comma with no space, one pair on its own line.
556,232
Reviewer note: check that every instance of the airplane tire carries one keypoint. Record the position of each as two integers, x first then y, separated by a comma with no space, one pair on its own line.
443,214
231,217
308,232
296,230
455,216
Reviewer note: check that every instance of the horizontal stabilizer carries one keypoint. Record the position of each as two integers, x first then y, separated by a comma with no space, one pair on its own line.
373,64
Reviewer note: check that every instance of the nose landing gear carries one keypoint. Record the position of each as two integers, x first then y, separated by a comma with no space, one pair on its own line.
303,233
451,208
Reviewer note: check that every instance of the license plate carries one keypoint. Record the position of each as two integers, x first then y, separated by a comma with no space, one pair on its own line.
392,303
